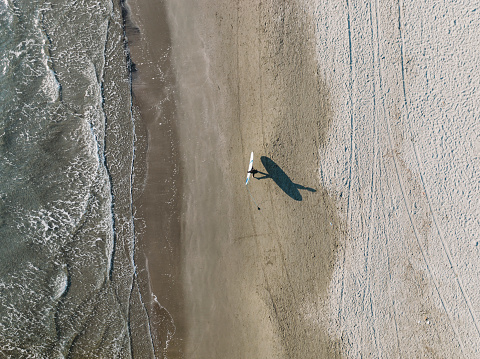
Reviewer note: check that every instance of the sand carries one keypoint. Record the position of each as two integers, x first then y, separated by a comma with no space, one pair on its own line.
362,118
403,163
157,177
252,276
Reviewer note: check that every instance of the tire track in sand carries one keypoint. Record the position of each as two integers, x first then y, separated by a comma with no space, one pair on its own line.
401,185
394,305
352,149
373,190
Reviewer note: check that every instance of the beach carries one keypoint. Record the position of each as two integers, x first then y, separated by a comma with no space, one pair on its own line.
362,121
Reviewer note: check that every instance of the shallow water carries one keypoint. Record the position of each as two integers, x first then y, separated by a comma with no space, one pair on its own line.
67,284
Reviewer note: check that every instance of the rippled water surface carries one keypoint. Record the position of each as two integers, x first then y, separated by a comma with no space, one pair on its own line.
67,286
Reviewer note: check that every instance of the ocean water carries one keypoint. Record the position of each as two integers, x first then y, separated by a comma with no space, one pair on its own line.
67,276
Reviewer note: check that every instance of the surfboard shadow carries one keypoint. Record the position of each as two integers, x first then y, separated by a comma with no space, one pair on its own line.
282,180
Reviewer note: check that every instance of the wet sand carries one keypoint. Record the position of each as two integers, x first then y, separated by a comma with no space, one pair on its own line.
157,177
255,281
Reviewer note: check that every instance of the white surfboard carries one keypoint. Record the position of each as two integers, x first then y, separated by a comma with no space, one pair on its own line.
250,166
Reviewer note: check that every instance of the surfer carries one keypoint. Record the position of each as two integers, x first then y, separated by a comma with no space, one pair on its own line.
253,171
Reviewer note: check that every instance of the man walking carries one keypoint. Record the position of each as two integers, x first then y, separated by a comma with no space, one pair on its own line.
253,171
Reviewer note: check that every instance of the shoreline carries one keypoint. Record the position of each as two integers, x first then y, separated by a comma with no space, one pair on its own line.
157,183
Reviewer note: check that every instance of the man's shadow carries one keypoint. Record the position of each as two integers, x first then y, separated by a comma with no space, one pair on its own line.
281,179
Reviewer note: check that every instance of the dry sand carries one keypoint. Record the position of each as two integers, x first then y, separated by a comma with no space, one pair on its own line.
403,163
363,115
